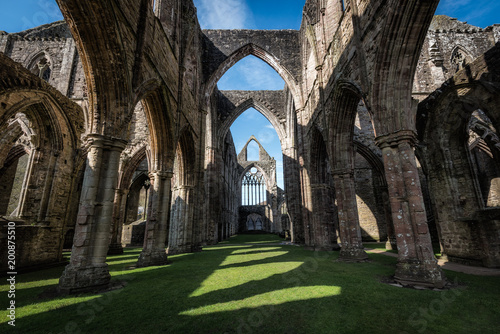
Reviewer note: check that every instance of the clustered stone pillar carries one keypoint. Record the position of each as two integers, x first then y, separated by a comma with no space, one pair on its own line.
350,232
212,191
181,234
88,269
416,262
115,246
325,235
153,252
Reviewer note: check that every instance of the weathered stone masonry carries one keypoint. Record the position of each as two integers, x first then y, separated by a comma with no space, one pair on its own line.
103,110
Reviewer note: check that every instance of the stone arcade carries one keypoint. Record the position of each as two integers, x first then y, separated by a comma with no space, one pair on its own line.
388,125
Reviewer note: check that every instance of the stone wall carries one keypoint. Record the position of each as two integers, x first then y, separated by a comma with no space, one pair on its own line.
346,122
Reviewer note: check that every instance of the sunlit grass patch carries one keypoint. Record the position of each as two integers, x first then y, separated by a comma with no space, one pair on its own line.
270,298
233,277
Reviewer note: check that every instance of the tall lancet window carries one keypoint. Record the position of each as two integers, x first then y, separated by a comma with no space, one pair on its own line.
253,188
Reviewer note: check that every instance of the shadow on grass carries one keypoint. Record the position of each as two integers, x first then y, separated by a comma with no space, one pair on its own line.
291,290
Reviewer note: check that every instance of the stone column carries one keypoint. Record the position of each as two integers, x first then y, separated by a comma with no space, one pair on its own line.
292,187
115,246
416,262
212,190
181,229
153,252
88,269
350,232
325,235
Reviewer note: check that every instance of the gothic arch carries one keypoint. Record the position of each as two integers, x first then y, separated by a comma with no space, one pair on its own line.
160,125
187,157
130,166
260,107
101,52
268,181
460,57
40,64
399,47
267,57
374,160
346,97
319,157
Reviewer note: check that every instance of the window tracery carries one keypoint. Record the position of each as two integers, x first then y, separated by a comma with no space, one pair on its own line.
253,188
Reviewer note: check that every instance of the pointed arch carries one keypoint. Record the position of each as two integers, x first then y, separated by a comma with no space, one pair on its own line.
399,47
260,107
460,57
267,180
99,40
40,64
186,151
341,131
268,58
373,159
160,123
319,157
130,166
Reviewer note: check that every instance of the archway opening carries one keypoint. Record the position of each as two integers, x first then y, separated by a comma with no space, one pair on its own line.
12,179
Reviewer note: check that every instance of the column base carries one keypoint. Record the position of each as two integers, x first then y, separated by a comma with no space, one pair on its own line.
391,244
84,279
417,273
152,258
352,254
115,249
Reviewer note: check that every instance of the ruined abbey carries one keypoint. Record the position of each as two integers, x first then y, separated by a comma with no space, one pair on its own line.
114,133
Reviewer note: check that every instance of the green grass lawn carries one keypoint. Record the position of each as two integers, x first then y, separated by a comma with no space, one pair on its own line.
247,286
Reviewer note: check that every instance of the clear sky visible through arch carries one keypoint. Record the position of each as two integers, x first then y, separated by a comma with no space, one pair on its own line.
250,73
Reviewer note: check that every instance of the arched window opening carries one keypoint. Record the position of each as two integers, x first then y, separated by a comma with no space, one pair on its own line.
459,58
253,151
253,188
41,67
254,222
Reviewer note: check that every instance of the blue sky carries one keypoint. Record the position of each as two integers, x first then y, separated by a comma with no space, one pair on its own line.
250,73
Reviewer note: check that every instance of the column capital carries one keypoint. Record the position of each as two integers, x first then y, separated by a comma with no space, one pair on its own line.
162,174
396,138
107,142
